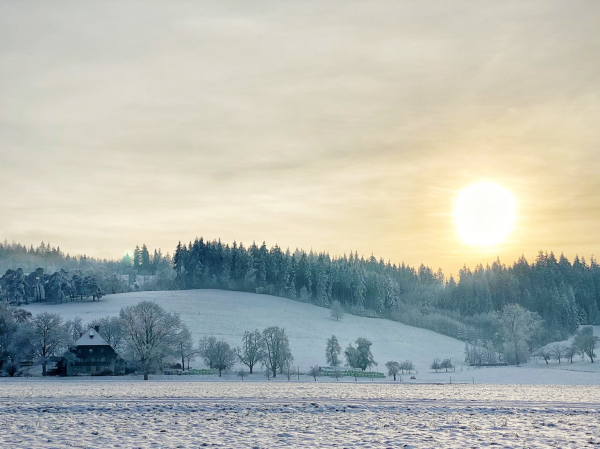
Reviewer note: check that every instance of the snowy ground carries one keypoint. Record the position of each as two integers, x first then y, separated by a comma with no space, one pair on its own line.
228,314
114,413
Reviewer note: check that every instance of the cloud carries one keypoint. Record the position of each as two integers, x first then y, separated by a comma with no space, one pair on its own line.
338,126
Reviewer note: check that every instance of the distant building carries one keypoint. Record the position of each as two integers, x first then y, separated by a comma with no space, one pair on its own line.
94,356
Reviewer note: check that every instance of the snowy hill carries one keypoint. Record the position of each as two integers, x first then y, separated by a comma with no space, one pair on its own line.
228,314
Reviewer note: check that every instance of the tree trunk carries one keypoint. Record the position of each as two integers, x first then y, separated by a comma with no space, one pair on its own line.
44,368
394,377
219,372
145,376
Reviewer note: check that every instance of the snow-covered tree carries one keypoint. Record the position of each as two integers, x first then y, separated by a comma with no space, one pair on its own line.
92,288
185,346
217,354
278,355
407,365
48,337
150,334
74,328
314,372
332,351
586,341
446,364
559,351
361,356
393,368
110,329
337,311
518,325
570,352
252,350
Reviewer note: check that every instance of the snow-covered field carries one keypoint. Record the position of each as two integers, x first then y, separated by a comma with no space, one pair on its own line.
114,413
228,314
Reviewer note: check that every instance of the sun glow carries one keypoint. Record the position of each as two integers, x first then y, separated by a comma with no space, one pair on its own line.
484,214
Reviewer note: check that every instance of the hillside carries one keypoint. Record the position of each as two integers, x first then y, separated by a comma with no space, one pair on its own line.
228,314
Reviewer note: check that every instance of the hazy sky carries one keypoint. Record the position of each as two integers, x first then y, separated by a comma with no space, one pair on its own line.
339,126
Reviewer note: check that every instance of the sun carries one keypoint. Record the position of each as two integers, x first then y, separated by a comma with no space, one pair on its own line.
484,214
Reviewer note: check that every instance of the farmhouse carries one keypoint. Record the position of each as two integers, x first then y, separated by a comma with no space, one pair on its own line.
94,356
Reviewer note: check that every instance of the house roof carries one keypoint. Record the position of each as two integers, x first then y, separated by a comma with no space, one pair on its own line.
91,338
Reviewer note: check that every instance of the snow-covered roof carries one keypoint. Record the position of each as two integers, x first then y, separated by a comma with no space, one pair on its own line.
91,338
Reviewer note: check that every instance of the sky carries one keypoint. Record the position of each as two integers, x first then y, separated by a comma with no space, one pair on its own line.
337,126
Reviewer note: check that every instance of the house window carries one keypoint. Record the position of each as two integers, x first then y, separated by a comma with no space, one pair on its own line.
91,350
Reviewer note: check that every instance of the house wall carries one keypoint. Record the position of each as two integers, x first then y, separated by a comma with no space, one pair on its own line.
96,360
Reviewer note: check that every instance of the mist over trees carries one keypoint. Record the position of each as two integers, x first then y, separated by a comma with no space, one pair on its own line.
46,273
48,258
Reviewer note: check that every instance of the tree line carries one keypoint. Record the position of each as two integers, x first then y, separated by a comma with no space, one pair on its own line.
151,339
564,295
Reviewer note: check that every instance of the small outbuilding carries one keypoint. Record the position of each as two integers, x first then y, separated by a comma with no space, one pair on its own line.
94,356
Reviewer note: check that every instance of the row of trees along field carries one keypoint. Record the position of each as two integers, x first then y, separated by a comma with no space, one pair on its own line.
563,295
151,339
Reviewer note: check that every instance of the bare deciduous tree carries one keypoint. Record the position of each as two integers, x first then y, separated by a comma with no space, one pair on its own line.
518,325
544,353
278,355
446,364
48,336
393,368
314,372
407,365
586,341
110,329
252,351
150,334
185,346
570,352
217,354
559,350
